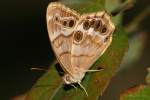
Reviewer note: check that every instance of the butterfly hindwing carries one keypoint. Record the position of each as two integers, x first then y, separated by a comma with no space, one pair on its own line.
92,36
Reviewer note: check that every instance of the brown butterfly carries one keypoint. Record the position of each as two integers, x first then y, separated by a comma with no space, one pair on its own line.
78,40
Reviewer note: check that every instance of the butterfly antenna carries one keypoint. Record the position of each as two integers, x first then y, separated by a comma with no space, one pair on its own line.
123,7
83,88
38,69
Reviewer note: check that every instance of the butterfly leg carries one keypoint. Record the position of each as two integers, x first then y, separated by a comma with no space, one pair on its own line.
92,70
83,88
74,87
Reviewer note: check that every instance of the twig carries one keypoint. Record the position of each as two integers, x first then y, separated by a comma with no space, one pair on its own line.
125,6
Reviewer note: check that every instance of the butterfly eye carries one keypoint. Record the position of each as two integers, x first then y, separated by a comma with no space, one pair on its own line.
67,78
103,29
97,25
78,36
86,25
71,23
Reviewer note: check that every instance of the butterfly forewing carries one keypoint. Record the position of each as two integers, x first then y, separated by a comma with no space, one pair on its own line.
60,24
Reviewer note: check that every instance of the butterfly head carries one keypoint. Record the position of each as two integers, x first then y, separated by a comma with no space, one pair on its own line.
69,79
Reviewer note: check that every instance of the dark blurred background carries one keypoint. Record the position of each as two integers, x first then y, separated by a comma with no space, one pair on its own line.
24,43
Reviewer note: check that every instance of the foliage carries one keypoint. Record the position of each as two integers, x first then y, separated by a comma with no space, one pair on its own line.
140,92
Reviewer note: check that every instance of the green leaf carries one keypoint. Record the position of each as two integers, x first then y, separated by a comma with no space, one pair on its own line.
85,6
111,5
141,92
50,86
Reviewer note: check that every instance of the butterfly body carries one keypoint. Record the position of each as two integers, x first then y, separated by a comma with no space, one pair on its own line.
77,40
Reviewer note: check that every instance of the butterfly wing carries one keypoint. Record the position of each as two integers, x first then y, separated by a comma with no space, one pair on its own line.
92,37
60,24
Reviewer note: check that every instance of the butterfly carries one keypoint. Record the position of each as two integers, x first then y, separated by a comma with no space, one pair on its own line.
78,40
